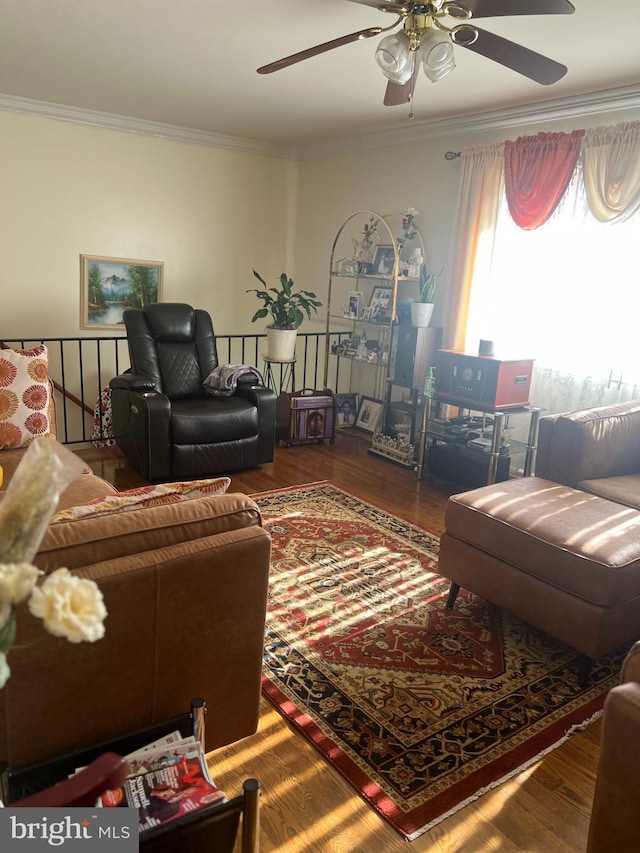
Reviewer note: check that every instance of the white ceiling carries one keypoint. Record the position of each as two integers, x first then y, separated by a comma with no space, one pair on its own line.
192,63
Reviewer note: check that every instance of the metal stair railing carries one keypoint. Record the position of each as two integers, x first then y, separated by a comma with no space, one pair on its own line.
80,370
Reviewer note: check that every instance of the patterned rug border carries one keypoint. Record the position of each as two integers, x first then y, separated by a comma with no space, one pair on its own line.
413,824
406,824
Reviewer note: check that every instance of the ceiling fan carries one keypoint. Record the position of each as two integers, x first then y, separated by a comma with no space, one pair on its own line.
428,35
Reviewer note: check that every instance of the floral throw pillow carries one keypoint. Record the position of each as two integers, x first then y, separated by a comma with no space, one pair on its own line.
145,496
24,395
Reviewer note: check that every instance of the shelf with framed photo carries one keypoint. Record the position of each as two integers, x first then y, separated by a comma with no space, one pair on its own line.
373,278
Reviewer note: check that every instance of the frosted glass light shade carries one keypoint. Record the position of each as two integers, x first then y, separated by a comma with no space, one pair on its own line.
395,58
436,51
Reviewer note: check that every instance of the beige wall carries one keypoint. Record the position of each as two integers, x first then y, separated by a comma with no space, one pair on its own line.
391,179
68,189
210,214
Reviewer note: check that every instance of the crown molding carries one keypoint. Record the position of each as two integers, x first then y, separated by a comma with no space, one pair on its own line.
590,104
146,128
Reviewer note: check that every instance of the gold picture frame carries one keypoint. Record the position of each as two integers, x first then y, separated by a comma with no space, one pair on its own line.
109,285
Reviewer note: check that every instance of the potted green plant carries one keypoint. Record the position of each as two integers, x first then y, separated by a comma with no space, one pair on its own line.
422,310
287,309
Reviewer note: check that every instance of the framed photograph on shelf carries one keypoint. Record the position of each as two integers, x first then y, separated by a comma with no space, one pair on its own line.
109,285
380,304
355,303
369,414
347,409
384,260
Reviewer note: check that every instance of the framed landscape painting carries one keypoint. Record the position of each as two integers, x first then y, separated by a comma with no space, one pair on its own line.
109,285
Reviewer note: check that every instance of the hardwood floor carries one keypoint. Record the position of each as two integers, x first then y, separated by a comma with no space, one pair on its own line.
306,805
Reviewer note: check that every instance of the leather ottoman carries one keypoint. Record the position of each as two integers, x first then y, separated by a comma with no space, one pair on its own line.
564,561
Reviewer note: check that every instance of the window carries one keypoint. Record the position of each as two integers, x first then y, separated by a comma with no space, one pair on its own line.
566,294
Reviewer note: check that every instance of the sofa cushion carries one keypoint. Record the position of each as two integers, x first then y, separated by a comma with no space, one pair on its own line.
86,487
624,489
235,419
94,539
24,396
144,496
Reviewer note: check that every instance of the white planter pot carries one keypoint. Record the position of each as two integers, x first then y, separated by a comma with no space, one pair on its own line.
281,344
421,313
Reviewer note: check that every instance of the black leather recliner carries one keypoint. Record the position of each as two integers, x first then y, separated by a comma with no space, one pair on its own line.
163,419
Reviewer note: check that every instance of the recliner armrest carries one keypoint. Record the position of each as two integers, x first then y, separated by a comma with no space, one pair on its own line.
132,382
142,425
265,401
259,395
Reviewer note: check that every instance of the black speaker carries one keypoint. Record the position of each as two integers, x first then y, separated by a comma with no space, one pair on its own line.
417,350
459,464
405,356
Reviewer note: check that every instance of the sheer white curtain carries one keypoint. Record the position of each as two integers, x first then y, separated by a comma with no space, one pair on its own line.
567,295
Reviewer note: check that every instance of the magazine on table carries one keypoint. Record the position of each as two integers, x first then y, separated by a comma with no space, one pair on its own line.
136,759
167,780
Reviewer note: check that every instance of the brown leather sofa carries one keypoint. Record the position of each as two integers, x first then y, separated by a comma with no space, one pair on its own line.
595,450
561,550
615,817
185,586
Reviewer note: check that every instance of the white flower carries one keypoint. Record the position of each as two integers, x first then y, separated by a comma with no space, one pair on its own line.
16,581
5,672
411,211
70,607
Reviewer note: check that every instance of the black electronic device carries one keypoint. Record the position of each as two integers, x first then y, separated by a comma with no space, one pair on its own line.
459,464
405,356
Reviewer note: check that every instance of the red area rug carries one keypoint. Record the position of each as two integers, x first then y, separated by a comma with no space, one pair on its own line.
421,709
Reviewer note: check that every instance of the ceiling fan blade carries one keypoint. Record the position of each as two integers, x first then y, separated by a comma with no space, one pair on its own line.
496,8
397,94
319,48
533,65
385,5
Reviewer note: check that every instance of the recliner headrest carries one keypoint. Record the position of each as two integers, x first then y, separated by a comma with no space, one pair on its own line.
171,322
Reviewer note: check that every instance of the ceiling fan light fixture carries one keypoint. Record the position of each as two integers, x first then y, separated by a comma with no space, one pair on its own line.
395,58
436,50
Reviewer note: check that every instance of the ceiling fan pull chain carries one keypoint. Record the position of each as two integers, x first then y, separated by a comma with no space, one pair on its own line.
414,59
